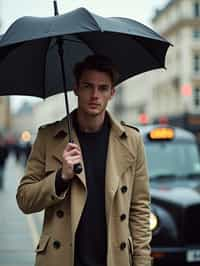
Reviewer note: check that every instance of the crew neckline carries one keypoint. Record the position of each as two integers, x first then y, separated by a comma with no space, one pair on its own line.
105,124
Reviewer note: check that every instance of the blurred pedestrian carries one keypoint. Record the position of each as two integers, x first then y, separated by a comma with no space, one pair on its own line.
3,157
26,150
100,216
17,151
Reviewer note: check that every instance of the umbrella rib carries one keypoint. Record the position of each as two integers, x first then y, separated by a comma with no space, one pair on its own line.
73,41
65,39
86,44
90,15
44,74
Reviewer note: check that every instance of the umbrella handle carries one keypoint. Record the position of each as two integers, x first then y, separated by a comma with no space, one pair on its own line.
78,168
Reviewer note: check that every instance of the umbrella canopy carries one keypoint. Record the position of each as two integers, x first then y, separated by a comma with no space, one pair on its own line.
29,60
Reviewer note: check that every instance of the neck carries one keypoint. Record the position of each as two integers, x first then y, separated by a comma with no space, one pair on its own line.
88,123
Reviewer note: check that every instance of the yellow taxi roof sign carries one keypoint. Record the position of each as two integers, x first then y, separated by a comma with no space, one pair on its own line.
162,133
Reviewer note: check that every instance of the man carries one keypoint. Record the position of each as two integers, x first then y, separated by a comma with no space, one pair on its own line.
99,217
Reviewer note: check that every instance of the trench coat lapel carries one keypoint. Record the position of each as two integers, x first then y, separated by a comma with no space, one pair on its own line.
78,187
119,159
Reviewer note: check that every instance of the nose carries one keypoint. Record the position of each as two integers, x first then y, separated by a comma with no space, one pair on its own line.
95,92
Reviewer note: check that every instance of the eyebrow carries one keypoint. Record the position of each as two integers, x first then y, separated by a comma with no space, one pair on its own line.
90,83
86,83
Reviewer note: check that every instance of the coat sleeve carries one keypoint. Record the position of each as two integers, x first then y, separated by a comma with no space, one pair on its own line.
36,190
140,210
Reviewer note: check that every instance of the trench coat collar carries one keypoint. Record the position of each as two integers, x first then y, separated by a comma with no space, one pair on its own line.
116,126
118,139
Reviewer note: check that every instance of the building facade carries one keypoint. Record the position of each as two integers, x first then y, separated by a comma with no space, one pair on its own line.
179,22
175,91
5,121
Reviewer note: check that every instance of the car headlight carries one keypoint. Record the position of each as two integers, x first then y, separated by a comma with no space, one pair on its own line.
153,221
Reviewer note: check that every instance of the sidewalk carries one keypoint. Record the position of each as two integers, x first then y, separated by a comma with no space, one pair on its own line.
19,233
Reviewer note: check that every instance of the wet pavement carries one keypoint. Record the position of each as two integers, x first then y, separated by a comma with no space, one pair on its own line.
19,233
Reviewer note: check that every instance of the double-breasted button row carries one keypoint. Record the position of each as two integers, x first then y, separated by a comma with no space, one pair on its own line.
124,189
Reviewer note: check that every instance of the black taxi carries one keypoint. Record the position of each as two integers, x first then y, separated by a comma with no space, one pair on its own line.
174,170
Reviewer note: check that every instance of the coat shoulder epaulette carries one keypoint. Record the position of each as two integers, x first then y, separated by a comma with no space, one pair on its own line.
126,125
49,124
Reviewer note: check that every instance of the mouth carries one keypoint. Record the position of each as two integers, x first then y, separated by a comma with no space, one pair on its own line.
93,105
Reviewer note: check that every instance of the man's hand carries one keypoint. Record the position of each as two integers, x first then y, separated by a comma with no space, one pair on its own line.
71,156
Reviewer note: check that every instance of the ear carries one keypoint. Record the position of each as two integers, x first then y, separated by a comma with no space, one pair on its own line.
75,89
113,91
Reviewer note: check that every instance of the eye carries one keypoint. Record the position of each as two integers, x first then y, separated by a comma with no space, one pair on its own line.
104,88
86,86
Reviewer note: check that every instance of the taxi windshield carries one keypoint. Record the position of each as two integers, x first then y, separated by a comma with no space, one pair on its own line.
170,158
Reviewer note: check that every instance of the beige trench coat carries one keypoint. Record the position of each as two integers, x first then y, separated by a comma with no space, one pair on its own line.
126,192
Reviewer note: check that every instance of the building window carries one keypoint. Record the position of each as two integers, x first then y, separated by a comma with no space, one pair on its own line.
196,63
196,33
196,8
196,97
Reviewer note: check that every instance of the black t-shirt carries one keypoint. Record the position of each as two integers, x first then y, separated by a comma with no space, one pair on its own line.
91,235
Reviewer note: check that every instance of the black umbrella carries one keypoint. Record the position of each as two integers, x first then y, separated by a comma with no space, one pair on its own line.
37,55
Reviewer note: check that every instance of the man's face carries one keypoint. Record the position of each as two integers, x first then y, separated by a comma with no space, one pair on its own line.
94,91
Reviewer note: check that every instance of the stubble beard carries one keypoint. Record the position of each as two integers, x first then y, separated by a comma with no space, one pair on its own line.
95,113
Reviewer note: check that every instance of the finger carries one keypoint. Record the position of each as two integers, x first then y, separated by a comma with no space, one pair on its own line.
72,152
71,146
76,162
71,164
71,159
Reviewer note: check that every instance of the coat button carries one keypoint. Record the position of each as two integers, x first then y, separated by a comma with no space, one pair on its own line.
122,245
124,189
123,217
60,213
56,244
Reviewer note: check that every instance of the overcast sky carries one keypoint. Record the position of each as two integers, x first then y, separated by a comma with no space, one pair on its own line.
141,10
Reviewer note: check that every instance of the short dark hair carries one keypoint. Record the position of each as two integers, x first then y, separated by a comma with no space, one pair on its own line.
97,62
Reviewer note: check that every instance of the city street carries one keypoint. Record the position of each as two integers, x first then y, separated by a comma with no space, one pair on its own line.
19,233
117,92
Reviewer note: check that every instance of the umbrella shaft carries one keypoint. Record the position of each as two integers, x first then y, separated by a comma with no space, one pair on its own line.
69,127
61,54
55,8
77,167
